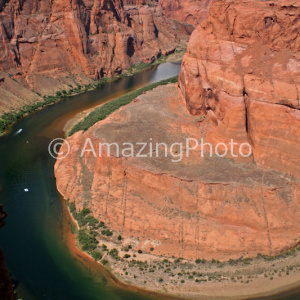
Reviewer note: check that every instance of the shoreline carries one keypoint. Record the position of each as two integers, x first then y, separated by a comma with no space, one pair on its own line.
250,278
87,260
135,69
290,284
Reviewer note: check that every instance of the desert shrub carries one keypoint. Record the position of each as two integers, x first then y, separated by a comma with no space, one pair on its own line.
93,222
107,232
72,207
88,242
114,253
96,255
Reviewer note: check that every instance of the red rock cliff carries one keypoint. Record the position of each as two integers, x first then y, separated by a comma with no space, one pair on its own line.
49,45
240,81
187,11
242,70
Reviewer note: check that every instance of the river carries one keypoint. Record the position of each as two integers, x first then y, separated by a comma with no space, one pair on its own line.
34,240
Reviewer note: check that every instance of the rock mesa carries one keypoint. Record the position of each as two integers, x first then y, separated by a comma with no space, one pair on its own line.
240,81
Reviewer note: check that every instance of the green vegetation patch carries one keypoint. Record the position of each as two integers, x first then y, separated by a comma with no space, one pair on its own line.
114,253
96,255
83,217
88,242
13,116
106,109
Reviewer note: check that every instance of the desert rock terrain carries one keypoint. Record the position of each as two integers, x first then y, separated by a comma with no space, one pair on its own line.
207,207
48,46
239,80
242,72
187,11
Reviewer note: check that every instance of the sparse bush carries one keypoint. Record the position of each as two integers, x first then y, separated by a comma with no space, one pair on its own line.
106,109
107,232
96,255
114,253
88,242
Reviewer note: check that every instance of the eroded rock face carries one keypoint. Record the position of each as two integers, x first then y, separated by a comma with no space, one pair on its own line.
187,11
198,207
240,81
49,45
242,71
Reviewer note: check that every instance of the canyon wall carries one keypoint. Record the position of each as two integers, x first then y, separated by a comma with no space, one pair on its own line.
53,45
240,81
187,11
242,72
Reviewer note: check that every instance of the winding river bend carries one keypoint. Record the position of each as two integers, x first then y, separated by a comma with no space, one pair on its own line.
35,237
33,240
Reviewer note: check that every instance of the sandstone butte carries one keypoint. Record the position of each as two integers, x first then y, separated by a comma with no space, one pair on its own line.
48,46
240,80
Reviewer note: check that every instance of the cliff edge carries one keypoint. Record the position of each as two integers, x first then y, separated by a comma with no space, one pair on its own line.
240,81
48,46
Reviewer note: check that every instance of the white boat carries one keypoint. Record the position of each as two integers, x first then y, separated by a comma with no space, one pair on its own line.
19,131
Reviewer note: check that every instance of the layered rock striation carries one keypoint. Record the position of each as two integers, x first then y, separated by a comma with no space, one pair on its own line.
52,45
187,11
207,207
242,71
240,81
